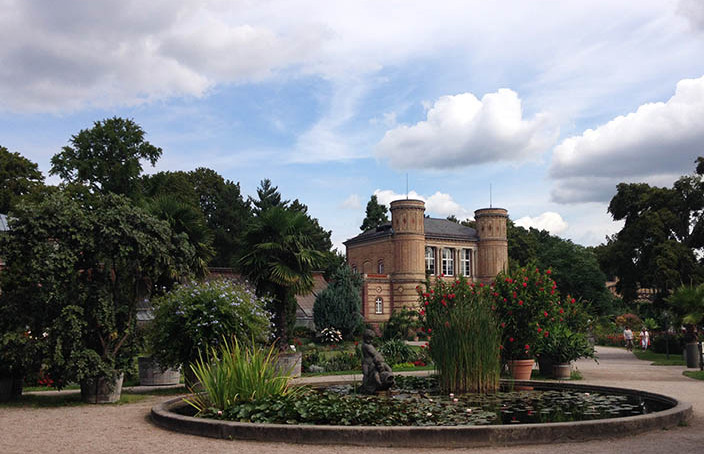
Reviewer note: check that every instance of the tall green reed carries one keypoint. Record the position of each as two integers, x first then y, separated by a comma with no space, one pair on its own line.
465,336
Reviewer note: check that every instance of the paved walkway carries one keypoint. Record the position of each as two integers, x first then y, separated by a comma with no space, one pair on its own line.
126,428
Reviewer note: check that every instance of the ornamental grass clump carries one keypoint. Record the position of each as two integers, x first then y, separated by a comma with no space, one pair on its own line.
231,374
464,335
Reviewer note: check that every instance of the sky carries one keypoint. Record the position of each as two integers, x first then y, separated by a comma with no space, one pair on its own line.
538,107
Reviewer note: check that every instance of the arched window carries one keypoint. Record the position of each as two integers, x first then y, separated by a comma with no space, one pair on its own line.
379,305
430,260
354,269
448,262
380,267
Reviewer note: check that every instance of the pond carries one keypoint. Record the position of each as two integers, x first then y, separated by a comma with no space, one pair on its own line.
415,401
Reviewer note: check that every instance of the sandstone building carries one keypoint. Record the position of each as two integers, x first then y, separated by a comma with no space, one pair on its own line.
395,258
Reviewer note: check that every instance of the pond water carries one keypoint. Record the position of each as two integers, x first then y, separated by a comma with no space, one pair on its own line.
416,401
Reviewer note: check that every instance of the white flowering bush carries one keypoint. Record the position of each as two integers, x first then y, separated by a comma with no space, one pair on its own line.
330,335
194,317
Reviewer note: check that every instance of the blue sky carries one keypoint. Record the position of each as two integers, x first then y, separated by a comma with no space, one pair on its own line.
552,103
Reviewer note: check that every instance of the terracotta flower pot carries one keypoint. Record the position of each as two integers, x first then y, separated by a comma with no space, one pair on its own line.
521,368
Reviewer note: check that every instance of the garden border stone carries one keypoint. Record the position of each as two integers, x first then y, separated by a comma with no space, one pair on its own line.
163,415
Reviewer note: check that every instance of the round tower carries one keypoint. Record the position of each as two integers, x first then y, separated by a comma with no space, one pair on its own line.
492,256
409,250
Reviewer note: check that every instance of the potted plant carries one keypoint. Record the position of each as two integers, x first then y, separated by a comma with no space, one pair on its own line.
562,347
689,302
193,317
78,263
526,302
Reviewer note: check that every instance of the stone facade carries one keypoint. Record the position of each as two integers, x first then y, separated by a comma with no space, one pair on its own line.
395,258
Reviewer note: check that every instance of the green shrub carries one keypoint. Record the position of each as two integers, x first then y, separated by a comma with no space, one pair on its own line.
342,361
402,324
396,351
230,375
195,317
340,304
660,340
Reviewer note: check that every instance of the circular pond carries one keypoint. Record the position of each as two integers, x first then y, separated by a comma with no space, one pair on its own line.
553,412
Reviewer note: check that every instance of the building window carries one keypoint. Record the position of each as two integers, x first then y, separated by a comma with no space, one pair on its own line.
466,262
380,267
429,260
379,305
448,262
354,269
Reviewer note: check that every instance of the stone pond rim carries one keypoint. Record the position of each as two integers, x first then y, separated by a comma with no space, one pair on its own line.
436,436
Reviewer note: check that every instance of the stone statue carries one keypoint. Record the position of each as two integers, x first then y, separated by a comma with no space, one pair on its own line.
377,374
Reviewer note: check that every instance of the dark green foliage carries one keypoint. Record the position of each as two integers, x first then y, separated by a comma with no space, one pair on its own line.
106,158
224,211
575,268
397,351
339,305
268,197
377,214
184,218
18,176
564,345
660,340
663,230
76,267
402,324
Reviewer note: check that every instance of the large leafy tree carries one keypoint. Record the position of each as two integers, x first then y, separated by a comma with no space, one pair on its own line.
662,234
340,304
76,267
106,158
225,211
18,176
377,214
279,260
574,268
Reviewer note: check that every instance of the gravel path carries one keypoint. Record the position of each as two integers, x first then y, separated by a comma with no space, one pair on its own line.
126,428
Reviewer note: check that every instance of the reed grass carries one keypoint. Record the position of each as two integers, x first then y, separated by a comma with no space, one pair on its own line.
230,374
465,337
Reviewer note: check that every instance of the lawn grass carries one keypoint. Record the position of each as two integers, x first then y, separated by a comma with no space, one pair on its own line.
695,374
660,359
46,400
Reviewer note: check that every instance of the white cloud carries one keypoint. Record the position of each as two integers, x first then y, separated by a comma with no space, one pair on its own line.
550,221
351,203
74,54
655,144
438,204
461,130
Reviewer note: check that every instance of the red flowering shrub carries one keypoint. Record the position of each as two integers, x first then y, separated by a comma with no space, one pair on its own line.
527,303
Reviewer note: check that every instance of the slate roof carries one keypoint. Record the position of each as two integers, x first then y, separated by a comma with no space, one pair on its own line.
305,302
435,228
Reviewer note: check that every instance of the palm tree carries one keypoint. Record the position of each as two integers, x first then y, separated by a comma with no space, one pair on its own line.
279,260
188,219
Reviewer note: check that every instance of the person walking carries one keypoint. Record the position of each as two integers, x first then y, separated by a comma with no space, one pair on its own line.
628,337
644,339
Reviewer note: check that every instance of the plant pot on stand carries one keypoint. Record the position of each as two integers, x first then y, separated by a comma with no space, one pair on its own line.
562,371
101,390
152,374
290,362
